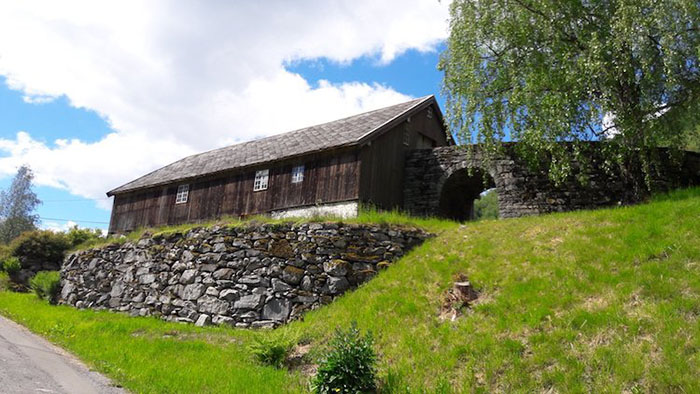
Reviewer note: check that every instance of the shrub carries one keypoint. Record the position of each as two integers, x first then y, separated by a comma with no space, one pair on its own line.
349,366
271,351
83,236
46,285
12,266
40,246
486,206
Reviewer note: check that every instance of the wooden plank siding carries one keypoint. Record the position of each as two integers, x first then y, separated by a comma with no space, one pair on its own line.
328,177
372,173
382,160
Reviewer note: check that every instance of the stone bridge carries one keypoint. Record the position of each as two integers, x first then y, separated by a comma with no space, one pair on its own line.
439,182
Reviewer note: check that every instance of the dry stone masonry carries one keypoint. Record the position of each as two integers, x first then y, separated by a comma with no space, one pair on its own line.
250,276
438,182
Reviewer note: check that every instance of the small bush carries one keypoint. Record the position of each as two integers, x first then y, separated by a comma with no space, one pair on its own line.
271,351
46,285
41,246
79,237
350,365
486,206
12,266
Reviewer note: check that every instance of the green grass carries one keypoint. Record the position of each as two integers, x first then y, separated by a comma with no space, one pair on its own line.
367,215
591,301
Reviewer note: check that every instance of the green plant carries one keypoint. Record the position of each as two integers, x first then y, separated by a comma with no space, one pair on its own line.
83,236
12,266
17,206
271,350
486,206
40,246
350,365
542,71
4,254
46,285
4,281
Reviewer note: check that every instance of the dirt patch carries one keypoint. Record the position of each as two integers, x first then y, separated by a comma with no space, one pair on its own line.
596,302
298,360
457,299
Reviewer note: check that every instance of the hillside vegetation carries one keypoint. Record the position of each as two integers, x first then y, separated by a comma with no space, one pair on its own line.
595,301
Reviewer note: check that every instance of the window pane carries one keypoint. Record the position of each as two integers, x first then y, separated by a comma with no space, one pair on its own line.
297,174
182,194
261,178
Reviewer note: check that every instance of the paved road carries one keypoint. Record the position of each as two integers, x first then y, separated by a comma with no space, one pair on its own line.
30,364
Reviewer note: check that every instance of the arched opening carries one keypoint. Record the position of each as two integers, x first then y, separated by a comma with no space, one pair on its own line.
460,190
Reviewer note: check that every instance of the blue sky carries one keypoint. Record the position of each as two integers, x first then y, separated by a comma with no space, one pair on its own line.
48,122
91,111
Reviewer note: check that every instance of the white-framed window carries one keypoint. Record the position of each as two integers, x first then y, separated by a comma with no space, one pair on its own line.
182,193
429,112
406,137
261,178
298,174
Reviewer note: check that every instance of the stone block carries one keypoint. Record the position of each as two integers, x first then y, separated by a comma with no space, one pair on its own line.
188,276
203,320
223,274
192,292
250,301
292,275
276,309
336,267
337,285
212,305
229,295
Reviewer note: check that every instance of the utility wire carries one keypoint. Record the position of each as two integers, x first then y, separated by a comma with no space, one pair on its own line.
75,200
73,220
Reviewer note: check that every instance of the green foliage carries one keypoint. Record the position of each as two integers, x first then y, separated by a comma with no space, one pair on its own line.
17,205
271,350
350,365
12,266
545,71
40,245
4,254
46,285
486,207
83,236
4,281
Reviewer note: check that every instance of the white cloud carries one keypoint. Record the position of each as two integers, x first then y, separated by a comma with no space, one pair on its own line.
65,226
173,78
57,226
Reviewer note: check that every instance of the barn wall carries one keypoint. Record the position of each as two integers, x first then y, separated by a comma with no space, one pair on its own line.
328,177
382,161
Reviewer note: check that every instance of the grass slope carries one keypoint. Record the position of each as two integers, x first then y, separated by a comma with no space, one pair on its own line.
596,301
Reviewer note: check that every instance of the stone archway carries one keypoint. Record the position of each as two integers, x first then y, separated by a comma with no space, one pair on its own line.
432,173
459,190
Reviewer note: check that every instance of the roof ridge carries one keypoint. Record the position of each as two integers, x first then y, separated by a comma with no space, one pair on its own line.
418,101
351,125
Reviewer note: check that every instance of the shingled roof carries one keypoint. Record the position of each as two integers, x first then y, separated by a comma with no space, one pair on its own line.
350,131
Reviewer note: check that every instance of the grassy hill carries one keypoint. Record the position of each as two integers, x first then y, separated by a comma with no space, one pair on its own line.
591,301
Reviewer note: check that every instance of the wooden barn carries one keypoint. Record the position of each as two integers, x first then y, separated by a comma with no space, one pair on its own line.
329,168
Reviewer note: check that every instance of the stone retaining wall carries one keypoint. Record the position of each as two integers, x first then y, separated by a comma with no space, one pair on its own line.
252,276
